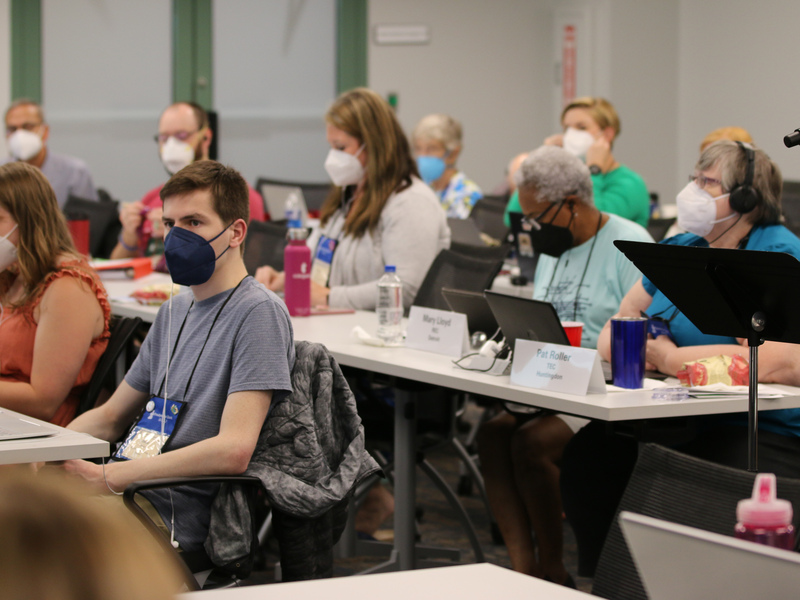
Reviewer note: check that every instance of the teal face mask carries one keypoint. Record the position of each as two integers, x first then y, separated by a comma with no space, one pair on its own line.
430,168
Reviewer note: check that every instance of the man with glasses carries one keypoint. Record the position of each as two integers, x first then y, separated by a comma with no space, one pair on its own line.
26,138
183,137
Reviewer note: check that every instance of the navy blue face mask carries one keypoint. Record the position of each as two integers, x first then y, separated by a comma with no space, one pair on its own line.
190,257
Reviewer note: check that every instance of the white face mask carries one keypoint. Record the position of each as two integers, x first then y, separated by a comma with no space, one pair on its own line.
577,141
8,251
697,210
343,168
24,144
176,154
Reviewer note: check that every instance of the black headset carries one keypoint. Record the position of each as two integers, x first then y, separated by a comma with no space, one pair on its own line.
744,197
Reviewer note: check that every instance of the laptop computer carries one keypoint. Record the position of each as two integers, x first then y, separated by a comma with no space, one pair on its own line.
17,427
275,196
526,319
523,247
475,306
677,562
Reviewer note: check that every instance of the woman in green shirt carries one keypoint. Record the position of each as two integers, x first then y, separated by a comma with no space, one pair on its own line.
590,127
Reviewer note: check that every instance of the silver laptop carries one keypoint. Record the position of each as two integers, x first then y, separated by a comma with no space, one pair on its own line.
17,427
676,562
275,196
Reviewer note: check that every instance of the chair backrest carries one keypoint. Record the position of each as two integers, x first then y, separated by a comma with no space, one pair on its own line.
675,487
121,336
484,252
104,224
264,246
658,228
453,270
497,199
488,216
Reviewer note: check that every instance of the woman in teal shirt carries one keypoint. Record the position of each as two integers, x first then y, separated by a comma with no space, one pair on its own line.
590,127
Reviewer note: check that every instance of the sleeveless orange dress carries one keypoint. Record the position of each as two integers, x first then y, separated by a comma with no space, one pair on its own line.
18,334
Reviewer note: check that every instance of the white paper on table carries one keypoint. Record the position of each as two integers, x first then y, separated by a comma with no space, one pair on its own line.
719,390
649,384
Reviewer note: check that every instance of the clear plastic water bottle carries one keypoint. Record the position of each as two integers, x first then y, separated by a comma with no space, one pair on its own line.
390,307
292,211
764,518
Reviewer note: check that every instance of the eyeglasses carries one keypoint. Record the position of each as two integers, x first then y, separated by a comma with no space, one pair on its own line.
26,126
702,181
532,221
182,136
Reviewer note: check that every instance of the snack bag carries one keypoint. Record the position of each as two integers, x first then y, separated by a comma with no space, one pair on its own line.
728,370
154,295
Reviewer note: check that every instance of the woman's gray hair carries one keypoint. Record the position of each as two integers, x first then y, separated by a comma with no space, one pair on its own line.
439,127
555,174
731,160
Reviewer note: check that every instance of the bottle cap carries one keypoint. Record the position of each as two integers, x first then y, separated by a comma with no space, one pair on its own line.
297,233
764,509
390,269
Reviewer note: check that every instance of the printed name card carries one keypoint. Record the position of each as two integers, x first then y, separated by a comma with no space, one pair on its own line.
557,368
439,331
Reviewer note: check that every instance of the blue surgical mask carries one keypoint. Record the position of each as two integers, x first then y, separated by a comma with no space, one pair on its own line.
430,168
190,257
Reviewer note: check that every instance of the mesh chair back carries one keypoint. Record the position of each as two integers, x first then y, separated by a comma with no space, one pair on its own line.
484,252
675,487
488,216
104,225
453,270
122,330
264,246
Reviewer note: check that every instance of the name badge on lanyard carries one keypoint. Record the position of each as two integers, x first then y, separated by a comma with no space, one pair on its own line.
323,257
145,438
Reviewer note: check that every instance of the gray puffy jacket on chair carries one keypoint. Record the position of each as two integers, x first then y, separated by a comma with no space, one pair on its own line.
309,457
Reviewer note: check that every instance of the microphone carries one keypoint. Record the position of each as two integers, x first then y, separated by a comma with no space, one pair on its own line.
793,139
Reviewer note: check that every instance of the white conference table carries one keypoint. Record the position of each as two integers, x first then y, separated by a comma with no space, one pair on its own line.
64,444
334,331
465,582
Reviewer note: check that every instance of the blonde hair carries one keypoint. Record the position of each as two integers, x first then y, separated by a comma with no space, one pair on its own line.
60,542
43,235
601,110
367,117
441,128
735,134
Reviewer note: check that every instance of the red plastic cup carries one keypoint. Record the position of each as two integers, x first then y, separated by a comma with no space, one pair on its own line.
574,330
79,230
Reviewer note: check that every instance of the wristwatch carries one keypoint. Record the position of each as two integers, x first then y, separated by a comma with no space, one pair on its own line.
595,169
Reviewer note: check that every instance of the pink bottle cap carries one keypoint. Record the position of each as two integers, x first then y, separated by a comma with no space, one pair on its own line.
764,509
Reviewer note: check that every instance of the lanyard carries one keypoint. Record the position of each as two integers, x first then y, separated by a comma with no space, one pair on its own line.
180,331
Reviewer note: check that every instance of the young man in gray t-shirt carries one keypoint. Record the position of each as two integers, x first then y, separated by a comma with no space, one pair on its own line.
228,344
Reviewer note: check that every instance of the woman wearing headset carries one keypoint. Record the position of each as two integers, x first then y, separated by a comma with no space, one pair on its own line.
732,201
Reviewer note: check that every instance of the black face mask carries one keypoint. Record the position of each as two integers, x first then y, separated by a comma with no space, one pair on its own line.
551,239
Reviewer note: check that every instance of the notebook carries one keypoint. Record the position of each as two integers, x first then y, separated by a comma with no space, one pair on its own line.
475,306
676,562
17,427
526,319
275,198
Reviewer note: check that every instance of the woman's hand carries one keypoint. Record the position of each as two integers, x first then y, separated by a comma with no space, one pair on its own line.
555,140
272,279
130,215
319,295
599,154
658,351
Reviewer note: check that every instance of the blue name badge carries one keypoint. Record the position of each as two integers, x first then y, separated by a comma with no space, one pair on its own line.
323,257
145,438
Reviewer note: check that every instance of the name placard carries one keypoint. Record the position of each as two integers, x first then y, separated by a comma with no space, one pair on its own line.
439,331
558,368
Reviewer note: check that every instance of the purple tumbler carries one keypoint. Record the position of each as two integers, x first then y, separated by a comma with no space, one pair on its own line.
297,272
628,344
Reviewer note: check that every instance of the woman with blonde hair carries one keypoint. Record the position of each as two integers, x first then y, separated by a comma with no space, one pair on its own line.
53,309
591,125
378,213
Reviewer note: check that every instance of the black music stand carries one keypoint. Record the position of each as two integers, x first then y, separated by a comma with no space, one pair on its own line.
739,293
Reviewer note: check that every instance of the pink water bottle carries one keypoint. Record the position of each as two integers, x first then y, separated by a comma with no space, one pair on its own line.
764,518
297,271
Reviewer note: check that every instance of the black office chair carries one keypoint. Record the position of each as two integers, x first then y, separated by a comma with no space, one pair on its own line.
496,199
658,228
451,269
104,224
790,205
488,216
104,380
483,252
264,245
675,487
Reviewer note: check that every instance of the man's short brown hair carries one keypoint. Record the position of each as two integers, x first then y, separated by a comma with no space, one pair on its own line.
230,196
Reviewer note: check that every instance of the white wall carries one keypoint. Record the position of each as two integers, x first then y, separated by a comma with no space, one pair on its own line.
274,78
5,62
488,64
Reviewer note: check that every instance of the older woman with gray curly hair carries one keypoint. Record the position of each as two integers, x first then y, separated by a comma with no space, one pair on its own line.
437,141
583,275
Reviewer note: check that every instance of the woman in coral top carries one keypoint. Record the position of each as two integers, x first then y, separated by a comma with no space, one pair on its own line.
53,309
